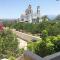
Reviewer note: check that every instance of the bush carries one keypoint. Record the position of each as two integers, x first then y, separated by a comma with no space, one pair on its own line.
12,58
44,34
8,44
53,27
46,47
31,46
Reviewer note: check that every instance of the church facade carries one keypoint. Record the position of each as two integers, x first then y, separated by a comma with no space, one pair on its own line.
29,16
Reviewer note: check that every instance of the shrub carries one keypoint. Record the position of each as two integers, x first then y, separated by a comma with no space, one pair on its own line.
53,27
31,46
8,44
46,47
12,58
44,34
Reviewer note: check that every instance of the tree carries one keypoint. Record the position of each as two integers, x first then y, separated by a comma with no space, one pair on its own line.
57,18
45,18
44,34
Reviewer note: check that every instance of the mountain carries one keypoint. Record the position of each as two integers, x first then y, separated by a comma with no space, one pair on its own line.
51,16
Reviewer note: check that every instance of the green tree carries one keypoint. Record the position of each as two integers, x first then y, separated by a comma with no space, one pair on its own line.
57,18
44,34
45,18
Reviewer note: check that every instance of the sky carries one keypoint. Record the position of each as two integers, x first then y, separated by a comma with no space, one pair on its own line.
14,8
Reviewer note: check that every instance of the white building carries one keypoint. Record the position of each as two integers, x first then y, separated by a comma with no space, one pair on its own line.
29,16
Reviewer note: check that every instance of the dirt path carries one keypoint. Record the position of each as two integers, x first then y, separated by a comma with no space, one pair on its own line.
22,44
25,36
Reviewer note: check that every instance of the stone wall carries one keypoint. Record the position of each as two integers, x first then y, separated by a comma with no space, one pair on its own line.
31,56
55,56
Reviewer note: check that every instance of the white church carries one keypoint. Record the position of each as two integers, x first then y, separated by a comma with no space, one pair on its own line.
29,16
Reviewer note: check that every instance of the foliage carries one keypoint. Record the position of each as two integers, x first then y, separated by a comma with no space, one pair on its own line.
44,34
12,58
49,31
51,26
46,47
21,51
8,44
31,46
45,18
57,18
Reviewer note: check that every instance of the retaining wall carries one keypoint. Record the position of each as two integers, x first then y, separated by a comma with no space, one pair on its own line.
31,56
